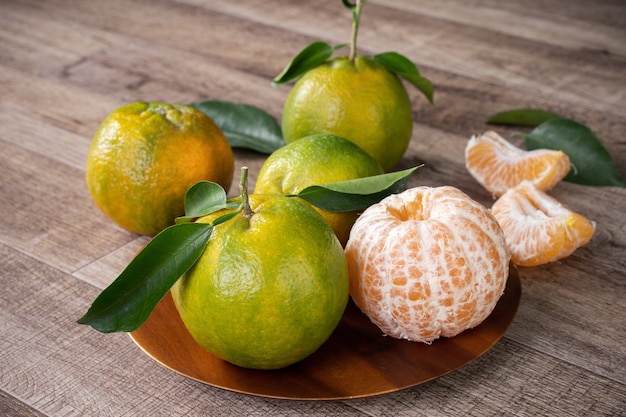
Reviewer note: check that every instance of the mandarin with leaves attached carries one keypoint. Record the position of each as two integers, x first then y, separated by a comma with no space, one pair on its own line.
357,99
270,287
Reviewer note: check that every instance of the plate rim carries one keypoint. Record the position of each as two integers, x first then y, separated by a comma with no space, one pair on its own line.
512,292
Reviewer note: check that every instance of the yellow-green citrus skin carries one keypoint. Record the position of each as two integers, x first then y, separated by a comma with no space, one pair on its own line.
314,160
268,291
359,100
144,157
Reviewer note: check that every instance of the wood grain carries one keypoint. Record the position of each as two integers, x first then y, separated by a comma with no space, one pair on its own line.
46,211
65,64
574,25
10,406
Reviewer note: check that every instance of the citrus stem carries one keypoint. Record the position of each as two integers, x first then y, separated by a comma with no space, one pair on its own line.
356,16
243,188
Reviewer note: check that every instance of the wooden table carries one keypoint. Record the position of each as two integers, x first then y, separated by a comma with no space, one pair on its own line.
64,65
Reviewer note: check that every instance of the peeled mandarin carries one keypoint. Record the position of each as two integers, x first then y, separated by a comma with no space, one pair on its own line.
426,263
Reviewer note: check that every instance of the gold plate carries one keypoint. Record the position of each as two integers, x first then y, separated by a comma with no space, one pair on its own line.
357,361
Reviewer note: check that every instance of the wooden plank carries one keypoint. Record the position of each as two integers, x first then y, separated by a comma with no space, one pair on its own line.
27,128
101,272
573,25
172,24
474,52
507,380
52,103
33,42
561,306
45,210
23,130
10,406
173,75
462,105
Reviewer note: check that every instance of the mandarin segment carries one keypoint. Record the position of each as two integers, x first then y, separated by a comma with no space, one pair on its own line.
426,263
498,165
538,228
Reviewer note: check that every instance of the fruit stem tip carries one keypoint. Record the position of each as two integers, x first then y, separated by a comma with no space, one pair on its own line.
356,17
243,188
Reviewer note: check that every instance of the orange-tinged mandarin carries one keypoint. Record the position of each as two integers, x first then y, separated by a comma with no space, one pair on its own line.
144,157
538,228
426,263
498,165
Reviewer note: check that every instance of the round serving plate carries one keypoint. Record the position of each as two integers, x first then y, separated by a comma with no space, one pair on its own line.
357,361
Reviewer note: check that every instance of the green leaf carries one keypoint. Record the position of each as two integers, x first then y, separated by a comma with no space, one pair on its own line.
591,162
203,198
522,117
348,5
244,126
310,57
126,304
356,194
403,67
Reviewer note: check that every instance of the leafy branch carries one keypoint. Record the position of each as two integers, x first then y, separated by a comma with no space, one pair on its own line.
126,304
319,52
